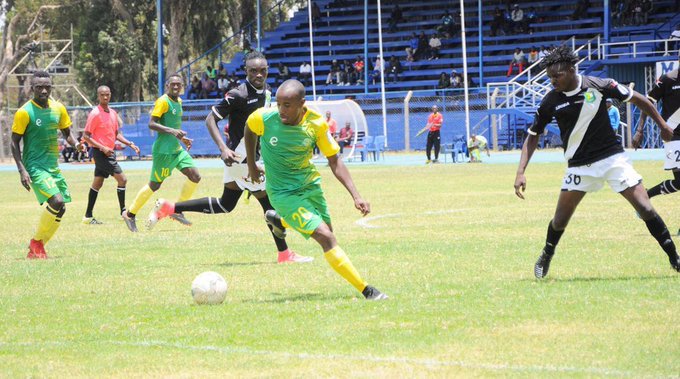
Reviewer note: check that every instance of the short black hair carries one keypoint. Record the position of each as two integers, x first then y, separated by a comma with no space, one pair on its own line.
41,74
560,54
254,55
167,81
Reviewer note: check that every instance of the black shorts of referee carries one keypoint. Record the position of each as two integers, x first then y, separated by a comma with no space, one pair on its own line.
105,166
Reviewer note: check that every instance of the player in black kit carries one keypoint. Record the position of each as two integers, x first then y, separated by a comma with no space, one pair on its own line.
591,149
667,91
237,105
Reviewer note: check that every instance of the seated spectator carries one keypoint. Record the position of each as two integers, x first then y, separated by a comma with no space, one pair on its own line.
395,18
412,47
423,46
475,144
207,86
345,137
443,83
674,44
305,75
336,71
232,81
394,69
544,52
378,68
647,8
222,85
349,76
517,17
211,72
529,18
67,150
533,56
517,60
359,69
194,88
435,46
456,79
223,70
581,9
282,75
448,25
498,22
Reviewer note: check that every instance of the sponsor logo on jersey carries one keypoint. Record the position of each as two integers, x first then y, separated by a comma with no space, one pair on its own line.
252,101
306,142
273,141
557,108
676,87
38,122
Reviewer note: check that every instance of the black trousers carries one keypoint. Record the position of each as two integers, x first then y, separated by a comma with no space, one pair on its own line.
433,140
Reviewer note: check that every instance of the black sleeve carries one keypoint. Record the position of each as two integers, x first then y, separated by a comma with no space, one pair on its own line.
544,116
610,88
656,93
229,103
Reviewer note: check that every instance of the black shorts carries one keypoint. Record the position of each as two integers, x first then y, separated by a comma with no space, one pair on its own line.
105,166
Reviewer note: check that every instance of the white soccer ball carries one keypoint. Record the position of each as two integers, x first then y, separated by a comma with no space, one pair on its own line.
209,288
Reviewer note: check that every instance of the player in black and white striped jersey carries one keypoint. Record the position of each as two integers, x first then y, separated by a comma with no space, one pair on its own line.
591,149
667,91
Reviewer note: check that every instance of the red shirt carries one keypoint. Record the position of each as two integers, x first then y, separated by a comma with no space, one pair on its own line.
435,121
332,126
103,126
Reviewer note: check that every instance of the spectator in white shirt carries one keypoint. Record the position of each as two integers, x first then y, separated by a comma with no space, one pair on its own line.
305,75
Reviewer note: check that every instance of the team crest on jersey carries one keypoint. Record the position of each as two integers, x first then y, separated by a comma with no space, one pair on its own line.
589,97
273,141
38,122
306,142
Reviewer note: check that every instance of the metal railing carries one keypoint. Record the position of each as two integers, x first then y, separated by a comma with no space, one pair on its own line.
639,49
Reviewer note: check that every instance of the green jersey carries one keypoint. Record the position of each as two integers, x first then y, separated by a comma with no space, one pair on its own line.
169,113
39,126
287,149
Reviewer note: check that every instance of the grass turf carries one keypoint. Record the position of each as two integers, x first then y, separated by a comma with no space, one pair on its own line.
451,244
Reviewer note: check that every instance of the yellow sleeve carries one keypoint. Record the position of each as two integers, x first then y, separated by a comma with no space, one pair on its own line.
21,120
64,119
325,141
160,107
255,122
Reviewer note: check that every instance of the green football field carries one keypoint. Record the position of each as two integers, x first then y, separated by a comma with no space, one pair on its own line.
450,244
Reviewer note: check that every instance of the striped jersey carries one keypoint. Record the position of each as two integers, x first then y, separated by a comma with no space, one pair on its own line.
39,127
287,149
667,90
581,115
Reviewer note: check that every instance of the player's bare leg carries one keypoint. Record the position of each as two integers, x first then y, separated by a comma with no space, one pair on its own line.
638,198
566,206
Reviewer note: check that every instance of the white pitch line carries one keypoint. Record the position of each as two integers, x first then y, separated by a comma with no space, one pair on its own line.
308,356
365,222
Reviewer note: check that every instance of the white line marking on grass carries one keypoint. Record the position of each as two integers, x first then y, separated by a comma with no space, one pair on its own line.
305,356
365,222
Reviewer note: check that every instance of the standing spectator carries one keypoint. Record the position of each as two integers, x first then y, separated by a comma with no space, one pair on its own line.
305,75
498,22
529,18
336,71
394,69
443,83
412,48
435,46
517,17
316,13
282,75
434,122
581,9
359,69
345,136
222,85
637,13
349,75
614,118
332,124
395,17
517,60
647,9
448,25
618,13
675,39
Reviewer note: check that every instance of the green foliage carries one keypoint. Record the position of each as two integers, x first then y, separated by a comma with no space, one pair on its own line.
451,245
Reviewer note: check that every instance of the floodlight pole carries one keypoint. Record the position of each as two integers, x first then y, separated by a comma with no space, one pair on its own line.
259,25
311,47
465,73
382,72
161,65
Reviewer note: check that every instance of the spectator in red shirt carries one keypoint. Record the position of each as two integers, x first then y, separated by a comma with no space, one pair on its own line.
346,136
359,69
434,121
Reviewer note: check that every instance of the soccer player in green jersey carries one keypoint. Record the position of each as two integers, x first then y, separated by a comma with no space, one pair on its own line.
288,136
36,123
168,154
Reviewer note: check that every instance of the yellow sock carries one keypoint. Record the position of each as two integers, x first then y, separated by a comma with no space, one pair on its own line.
340,262
47,222
52,230
187,190
142,197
